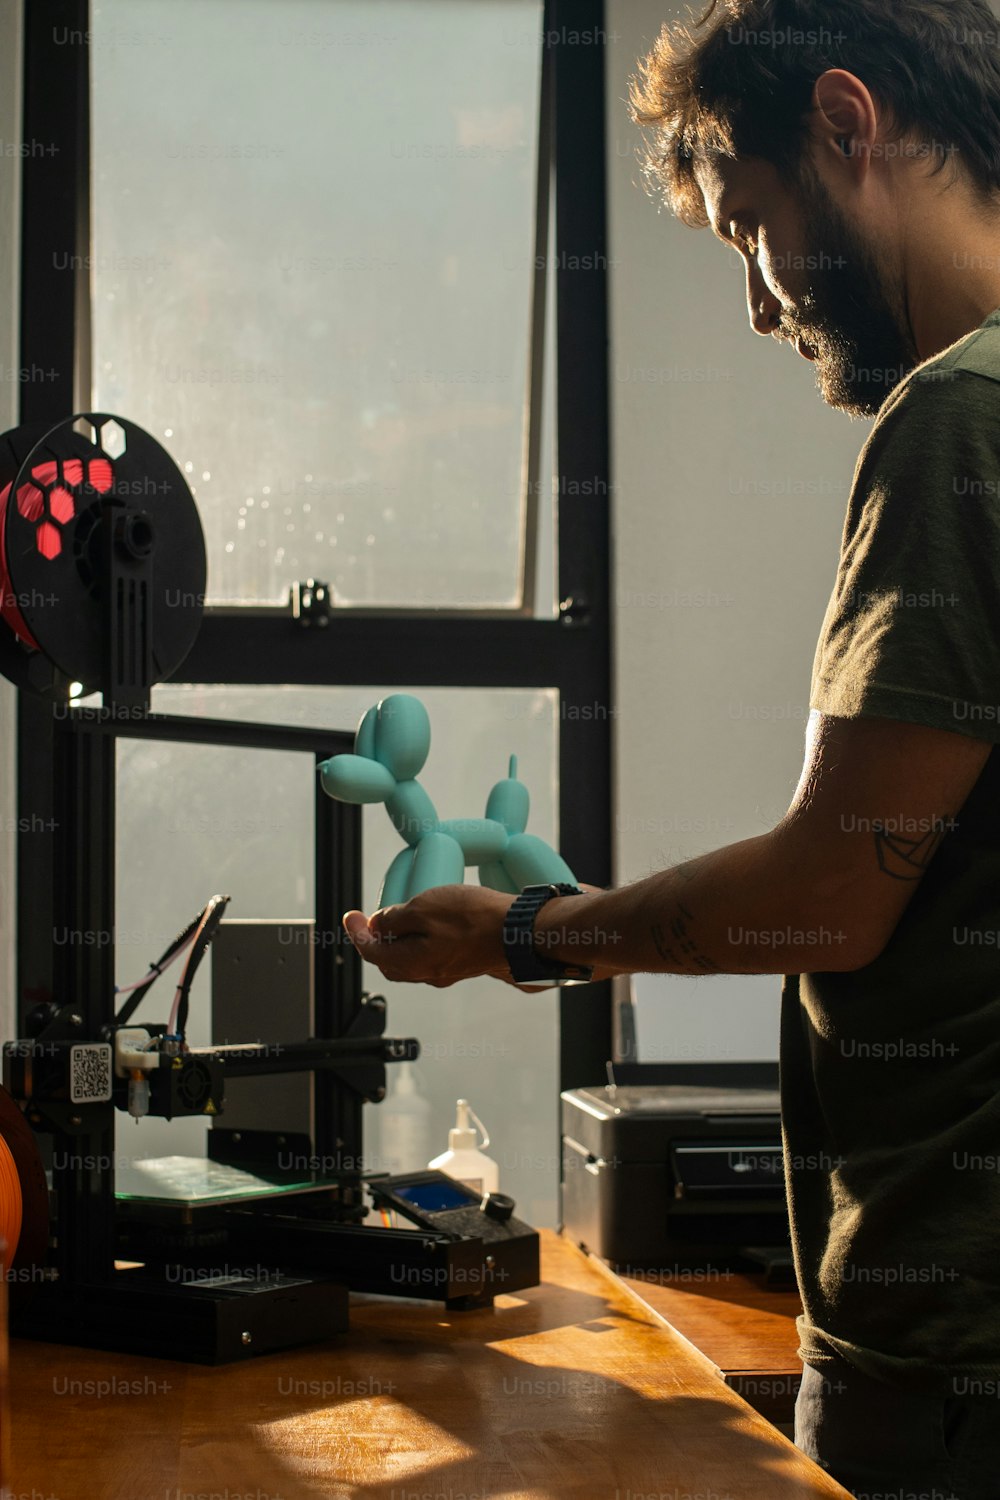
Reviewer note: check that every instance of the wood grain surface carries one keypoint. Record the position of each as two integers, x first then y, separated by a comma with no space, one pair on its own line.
745,1327
573,1388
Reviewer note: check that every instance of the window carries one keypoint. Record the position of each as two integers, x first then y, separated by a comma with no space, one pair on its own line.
312,276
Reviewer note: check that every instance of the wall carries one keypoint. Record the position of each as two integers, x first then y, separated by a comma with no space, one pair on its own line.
731,480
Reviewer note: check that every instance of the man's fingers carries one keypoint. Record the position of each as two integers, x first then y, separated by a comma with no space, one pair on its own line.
382,948
357,927
380,927
393,922
384,921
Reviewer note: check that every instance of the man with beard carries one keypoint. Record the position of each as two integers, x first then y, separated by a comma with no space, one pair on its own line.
850,151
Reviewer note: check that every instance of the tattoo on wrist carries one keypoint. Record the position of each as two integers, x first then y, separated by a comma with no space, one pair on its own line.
907,859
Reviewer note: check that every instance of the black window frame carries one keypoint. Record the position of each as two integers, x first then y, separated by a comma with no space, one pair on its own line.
570,653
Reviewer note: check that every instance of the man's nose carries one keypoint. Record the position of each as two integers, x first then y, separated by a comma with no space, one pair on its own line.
763,306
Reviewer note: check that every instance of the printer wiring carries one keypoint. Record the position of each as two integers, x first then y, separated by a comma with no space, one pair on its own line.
196,937
207,928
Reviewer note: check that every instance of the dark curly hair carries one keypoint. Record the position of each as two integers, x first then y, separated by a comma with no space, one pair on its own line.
739,84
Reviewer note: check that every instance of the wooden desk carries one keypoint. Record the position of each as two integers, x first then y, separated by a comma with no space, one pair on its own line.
571,1389
745,1327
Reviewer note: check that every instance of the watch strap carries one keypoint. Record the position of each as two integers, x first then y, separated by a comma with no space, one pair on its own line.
526,964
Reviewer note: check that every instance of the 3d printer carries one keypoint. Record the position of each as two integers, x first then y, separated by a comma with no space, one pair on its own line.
102,580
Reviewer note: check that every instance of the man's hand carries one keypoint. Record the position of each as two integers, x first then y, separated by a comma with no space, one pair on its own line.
449,933
446,934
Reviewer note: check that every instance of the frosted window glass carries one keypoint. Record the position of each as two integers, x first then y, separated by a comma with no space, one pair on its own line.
193,820
313,250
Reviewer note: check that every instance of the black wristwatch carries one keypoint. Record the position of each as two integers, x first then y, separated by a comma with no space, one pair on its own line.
527,965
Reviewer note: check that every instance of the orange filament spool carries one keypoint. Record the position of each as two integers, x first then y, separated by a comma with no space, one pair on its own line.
11,1206
24,1200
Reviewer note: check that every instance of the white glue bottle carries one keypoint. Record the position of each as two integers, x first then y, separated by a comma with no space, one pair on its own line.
463,1160
404,1124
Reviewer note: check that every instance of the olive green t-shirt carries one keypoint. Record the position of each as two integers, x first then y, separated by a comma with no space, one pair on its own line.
891,1074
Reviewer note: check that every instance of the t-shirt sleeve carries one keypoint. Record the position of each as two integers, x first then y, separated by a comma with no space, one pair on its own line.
912,630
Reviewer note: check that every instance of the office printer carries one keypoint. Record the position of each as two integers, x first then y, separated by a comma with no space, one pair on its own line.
675,1164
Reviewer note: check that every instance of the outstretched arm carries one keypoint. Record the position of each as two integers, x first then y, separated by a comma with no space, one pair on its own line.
822,891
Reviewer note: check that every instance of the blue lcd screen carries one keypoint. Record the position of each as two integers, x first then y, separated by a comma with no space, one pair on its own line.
435,1196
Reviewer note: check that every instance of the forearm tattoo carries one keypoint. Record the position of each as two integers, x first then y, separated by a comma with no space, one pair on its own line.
676,946
907,859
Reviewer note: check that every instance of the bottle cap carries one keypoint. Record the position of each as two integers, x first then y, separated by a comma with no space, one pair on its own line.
462,1137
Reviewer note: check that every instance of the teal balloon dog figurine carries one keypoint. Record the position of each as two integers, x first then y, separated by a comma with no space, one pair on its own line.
390,748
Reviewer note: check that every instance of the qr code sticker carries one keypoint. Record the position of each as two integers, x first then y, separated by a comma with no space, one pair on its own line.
90,1073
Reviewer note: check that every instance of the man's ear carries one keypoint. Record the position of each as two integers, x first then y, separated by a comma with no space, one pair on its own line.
844,119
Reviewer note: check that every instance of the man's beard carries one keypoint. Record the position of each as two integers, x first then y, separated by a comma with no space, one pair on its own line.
851,315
